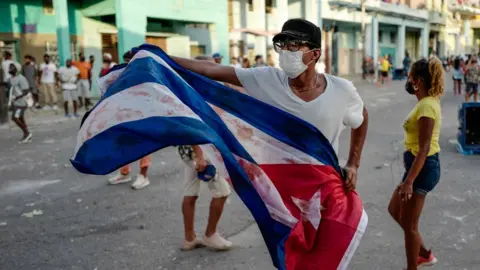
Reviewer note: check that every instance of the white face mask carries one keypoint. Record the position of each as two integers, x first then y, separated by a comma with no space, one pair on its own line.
292,63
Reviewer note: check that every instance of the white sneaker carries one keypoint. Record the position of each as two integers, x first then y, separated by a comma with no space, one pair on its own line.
216,242
26,139
140,182
119,179
190,245
47,108
55,108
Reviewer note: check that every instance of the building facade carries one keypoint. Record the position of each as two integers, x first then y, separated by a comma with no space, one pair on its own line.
187,28
64,28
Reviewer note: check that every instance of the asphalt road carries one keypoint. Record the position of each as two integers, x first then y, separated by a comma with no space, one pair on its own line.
52,217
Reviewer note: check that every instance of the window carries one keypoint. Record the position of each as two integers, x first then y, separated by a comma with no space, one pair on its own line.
48,7
250,5
268,6
198,25
393,37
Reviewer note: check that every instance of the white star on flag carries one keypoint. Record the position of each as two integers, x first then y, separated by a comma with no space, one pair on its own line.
311,209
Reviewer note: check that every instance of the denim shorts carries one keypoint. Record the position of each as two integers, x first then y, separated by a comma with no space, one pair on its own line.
428,177
472,88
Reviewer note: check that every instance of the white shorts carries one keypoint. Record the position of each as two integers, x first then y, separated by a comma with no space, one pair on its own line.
218,186
70,95
83,88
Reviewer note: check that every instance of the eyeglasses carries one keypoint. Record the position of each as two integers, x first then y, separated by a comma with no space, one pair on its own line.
291,45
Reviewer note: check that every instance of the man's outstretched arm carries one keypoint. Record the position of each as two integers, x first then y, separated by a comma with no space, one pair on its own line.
210,70
357,140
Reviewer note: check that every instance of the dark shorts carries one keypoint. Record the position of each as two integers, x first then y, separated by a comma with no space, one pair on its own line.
384,73
457,80
18,112
472,88
428,177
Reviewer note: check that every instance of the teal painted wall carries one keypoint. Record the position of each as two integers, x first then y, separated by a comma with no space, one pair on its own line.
203,11
188,10
15,13
348,35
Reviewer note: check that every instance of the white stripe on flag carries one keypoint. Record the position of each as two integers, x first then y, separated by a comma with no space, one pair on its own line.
132,104
347,257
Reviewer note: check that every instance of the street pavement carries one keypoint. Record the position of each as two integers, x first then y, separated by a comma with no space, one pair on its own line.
52,217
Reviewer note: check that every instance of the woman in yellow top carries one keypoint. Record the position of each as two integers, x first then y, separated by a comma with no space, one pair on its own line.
384,71
422,164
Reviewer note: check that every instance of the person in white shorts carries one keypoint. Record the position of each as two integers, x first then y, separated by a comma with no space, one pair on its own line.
83,83
220,189
68,76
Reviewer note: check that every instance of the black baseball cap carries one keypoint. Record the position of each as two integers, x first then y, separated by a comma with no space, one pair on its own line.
300,29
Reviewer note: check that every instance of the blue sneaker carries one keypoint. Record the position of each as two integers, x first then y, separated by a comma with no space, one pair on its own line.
68,115
76,116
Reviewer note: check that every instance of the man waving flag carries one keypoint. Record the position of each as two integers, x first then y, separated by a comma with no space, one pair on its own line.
283,168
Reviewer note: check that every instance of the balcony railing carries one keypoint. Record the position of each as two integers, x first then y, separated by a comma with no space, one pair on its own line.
464,7
388,8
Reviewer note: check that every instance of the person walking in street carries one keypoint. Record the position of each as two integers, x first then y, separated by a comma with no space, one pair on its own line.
84,82
67,79
421,158
220,189
407,62
7,61
457,76
30,72
472,77
47,83
123,175
384,72
19,90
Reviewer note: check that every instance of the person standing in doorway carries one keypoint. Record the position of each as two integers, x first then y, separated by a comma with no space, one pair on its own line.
68,77
124,174
20,89
84,82
30,72
47,83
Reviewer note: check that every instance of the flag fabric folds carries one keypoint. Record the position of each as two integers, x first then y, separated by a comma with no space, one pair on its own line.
284,170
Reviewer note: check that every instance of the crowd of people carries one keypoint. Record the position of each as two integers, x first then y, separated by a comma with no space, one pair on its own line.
33,85
465,71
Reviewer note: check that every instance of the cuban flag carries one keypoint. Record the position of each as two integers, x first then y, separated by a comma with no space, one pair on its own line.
283,169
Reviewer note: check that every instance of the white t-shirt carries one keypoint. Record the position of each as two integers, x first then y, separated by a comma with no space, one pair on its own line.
68,77
48,72
339,106
6,67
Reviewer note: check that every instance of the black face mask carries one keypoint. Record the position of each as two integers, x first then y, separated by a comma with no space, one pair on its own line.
82,59
409,88
12,72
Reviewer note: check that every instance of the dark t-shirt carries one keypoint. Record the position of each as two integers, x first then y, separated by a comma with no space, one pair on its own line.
30,73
